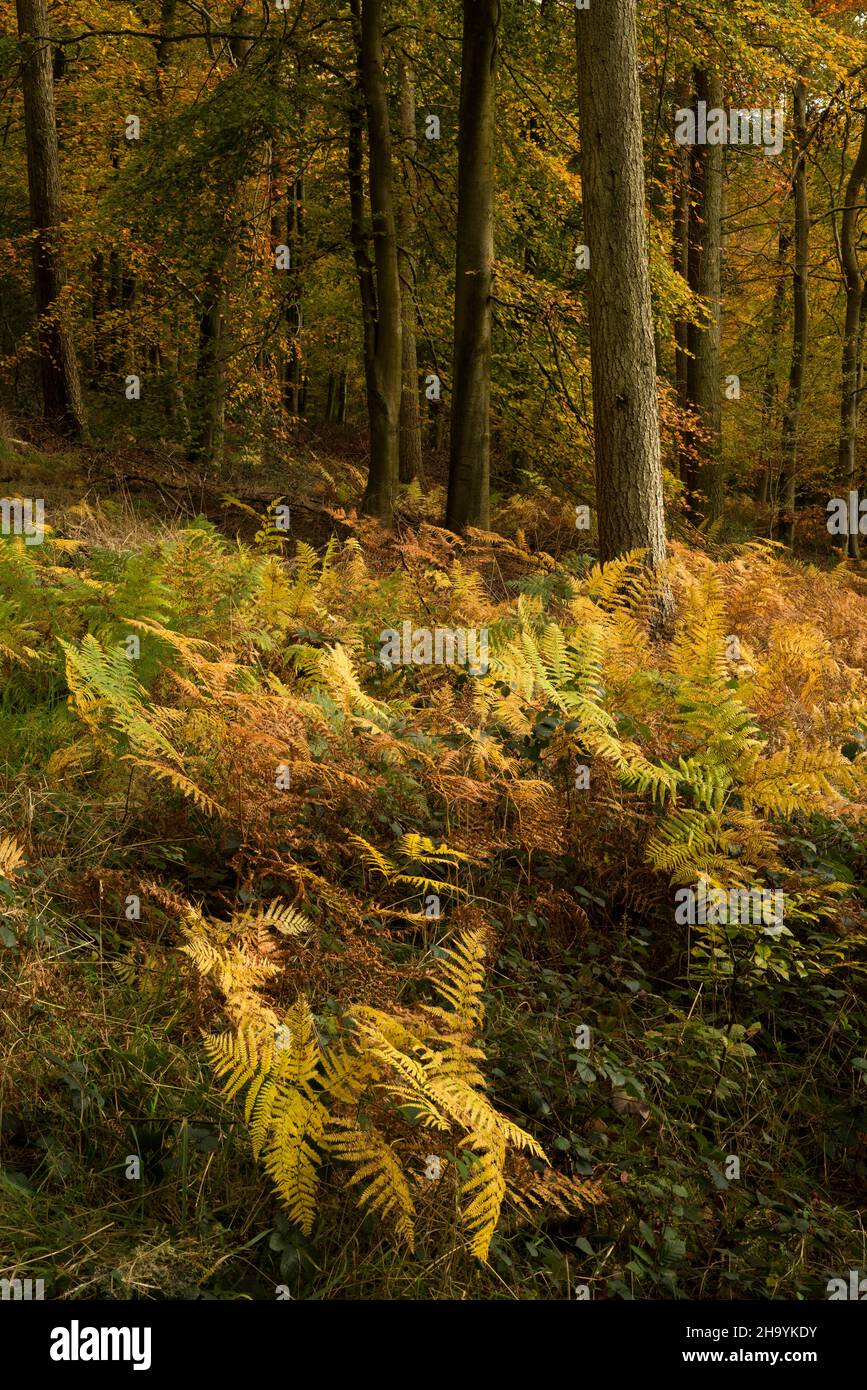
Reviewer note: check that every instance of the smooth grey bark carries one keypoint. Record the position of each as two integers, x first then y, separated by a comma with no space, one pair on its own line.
62,403
800,324
704,472
625,411
468,502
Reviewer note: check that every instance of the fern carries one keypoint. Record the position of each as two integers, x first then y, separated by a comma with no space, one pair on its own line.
11,855
297,1096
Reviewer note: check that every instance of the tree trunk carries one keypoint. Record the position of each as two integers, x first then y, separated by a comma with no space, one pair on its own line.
680,251
704,394
410,421
854,286
769,386
97,303
792,413
240,42
468,501
61,389
292,386
209,411
163,46
625,412
380,295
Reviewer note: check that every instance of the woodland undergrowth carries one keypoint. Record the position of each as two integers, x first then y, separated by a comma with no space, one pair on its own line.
321,943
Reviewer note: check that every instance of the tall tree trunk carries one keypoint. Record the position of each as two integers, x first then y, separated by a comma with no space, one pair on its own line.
240,42
769,386
379,280
854,286
792,413
97,303
410,421
209,409
625,412
163,46
704,389
61,388
292,386
680,250
468,501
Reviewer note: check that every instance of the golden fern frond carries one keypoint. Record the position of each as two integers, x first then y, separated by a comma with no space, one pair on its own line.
387,1192
483,1192
232,966
795,778
235,1058
259,1109
11,855
423,849
371,857
187,646
470,1108
459,979
697,652
292,1153
633,768
413,1087
337,674
346,1072
300,1062
618,583
69,759
684,843
180,782
283,917
430,885
532,1192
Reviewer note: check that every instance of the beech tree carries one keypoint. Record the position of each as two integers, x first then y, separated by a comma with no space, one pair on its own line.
379,277
704,472
625,412
468,501
854,285
410,422
800,319
58,366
